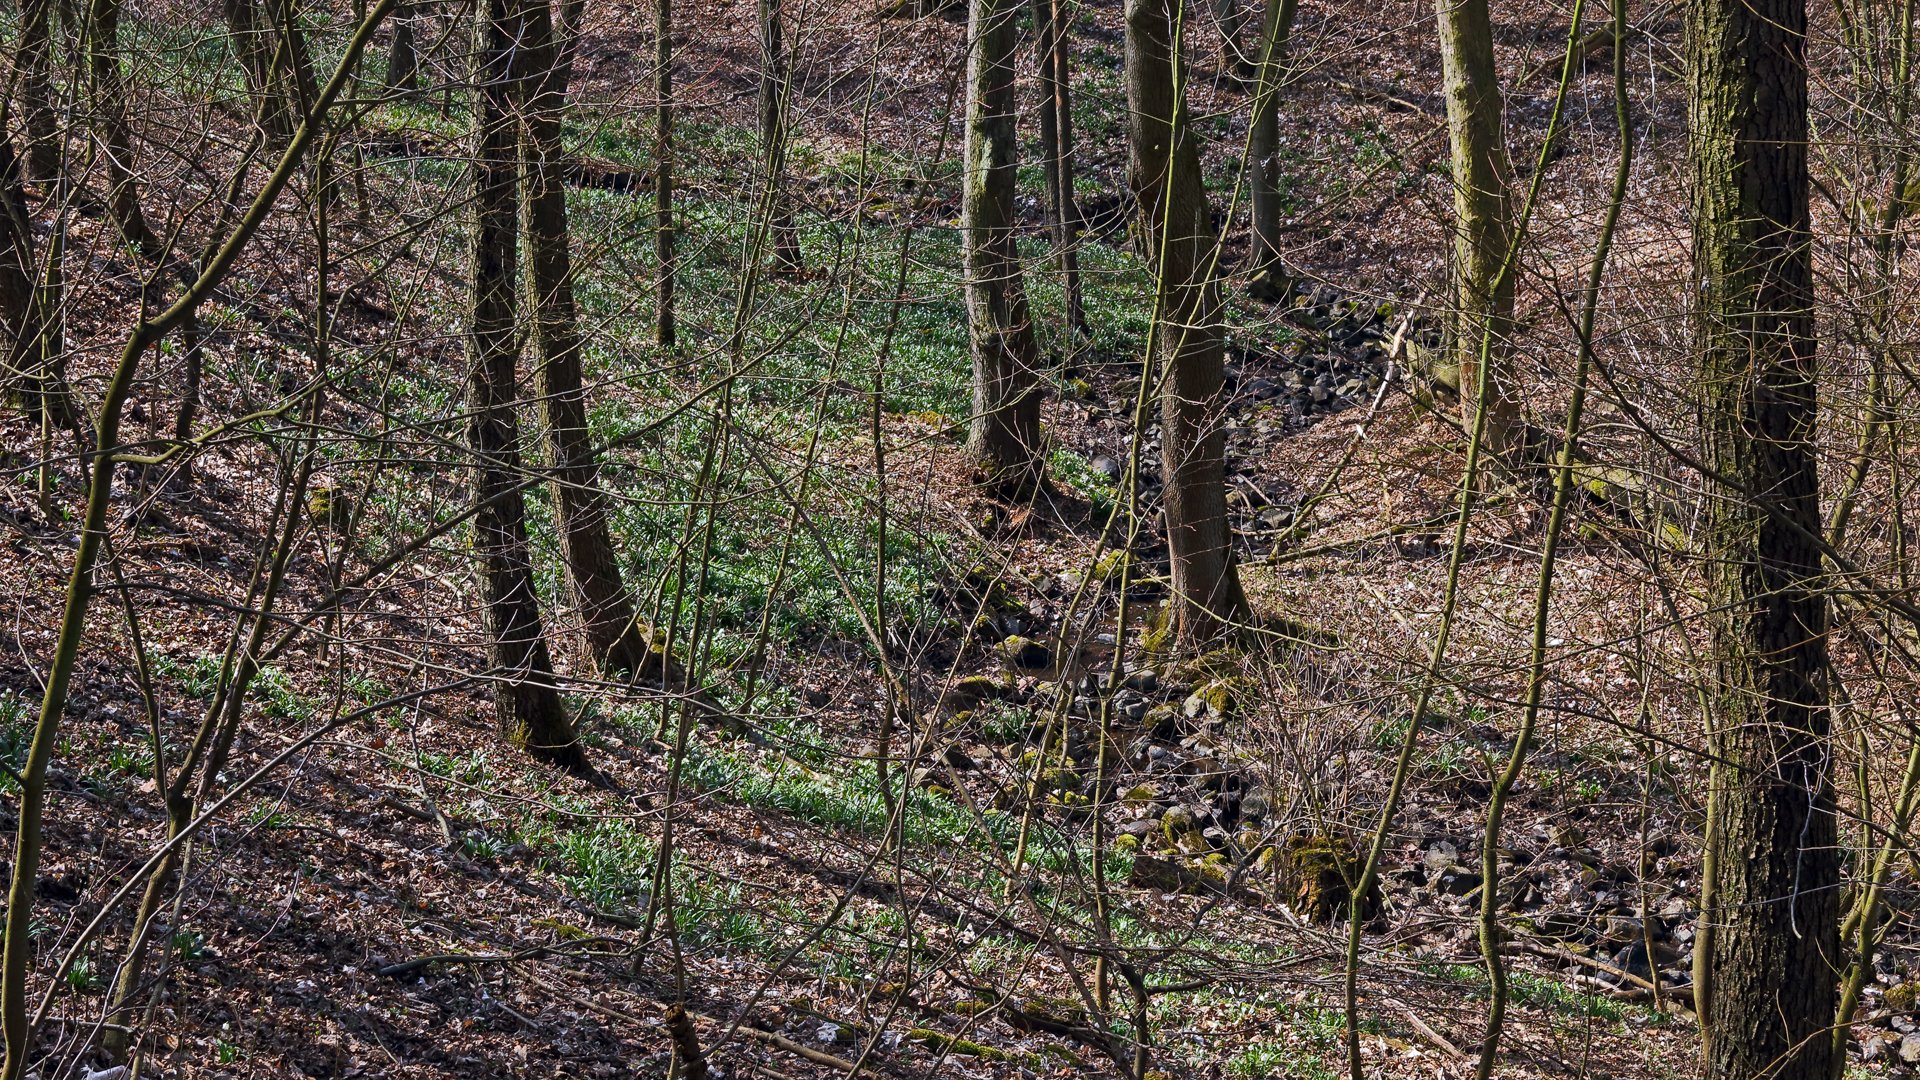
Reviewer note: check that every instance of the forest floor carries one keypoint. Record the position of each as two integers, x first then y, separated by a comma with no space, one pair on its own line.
409,897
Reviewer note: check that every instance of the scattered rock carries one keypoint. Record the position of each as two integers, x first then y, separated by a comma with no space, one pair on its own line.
1024,652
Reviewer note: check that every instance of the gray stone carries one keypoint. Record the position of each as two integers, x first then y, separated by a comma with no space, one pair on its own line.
1910,1049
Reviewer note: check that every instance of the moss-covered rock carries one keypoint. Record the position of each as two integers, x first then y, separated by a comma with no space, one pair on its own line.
953,1044
1316,870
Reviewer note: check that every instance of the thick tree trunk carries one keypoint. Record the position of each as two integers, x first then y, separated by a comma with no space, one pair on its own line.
272,52
1005,436
1051,39
528,708
606,612
1482,225
115,138
665,261
1772,953
1276,29
772,103
1164,170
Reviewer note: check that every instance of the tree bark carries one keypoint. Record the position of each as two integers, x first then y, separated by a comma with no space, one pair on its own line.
403,57
772,103
1004,440
665,261
33,68
1276,29
114,137
1056,143
606,611
527,706
1482,226
1164,171
1773,953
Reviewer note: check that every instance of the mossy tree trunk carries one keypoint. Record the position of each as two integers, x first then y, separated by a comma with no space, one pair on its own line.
1772,950
1005,436
527,705
1482,314
606,610
1164,172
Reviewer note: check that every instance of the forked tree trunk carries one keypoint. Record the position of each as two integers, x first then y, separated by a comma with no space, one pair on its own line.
1263,146
1051,38
1772,948
606,612
1482,225
666,264
1164,171
1005,437
112,132
772,103
527,706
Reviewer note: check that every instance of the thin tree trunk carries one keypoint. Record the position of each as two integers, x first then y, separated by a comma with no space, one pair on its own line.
606,611
253,47
115,138
1164,170
1771,968
1056,142
665,262
1005,437
1263,147
1482,229
528,708
774,84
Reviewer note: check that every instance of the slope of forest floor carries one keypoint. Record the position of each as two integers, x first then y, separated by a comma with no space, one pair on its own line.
409,897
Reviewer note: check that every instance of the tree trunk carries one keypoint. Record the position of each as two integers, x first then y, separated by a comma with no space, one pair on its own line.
115,139
33,68
1164,170
606,612
1768,996
403,59
774,84
1056,142
1235,61
1276,30
526,704
1005,437
665,261
1482,226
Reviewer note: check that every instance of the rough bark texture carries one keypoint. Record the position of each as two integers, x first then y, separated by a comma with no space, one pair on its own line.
1005,435
1482,226
606,612
528,707
1164,171
1263,147
1056,146
1773,950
